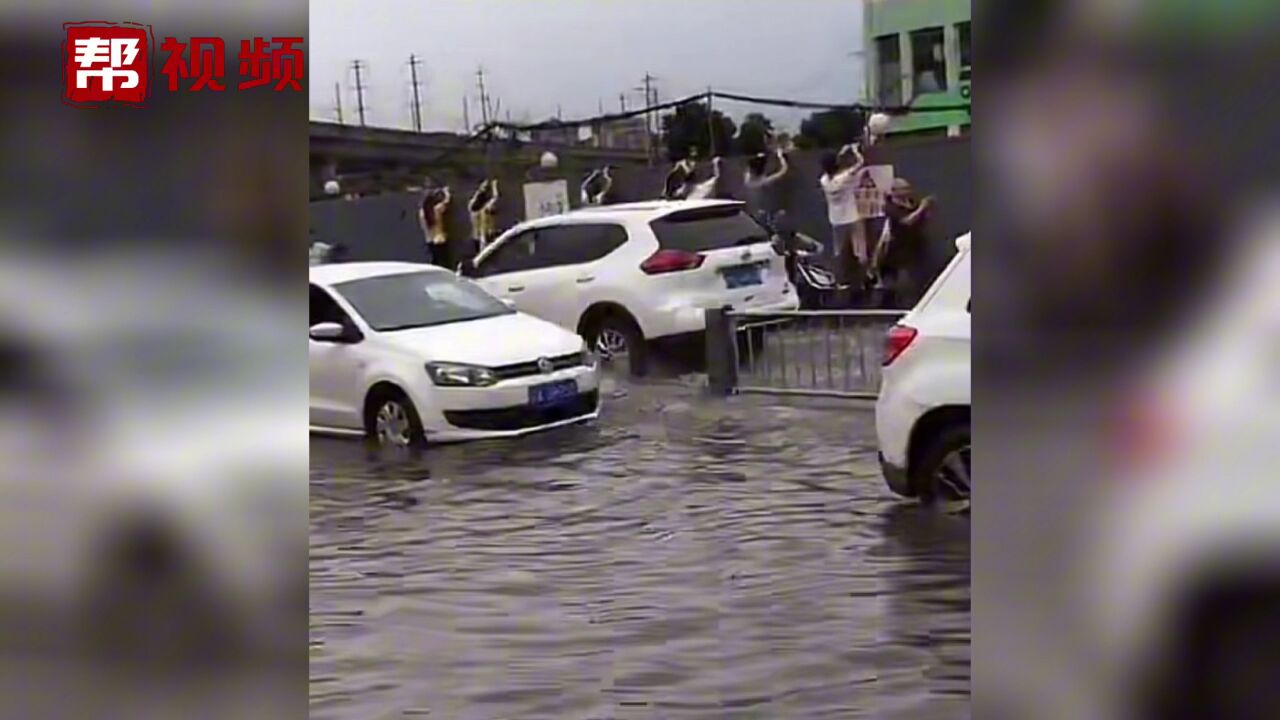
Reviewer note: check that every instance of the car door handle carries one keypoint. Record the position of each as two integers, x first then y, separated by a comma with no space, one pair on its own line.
585,280
515,288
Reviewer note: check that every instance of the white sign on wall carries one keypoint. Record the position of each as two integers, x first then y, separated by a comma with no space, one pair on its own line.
545,198
871,186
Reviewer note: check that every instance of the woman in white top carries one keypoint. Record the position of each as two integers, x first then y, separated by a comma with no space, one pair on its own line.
839,183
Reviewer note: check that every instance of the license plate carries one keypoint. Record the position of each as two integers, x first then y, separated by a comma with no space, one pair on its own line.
742,276
553,393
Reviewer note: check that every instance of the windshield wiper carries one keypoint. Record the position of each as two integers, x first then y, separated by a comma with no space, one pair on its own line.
450,321
410,326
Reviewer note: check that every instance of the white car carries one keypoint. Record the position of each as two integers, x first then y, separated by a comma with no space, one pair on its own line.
625,275
409,353
1187,529
922,413
153,497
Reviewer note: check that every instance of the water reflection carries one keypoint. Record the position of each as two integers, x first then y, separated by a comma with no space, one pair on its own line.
682,558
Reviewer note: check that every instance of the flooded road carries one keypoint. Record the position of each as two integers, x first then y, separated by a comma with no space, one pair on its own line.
684,557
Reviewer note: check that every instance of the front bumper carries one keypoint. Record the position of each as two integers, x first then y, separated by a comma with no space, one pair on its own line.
896,478
454,414
525,417
462,435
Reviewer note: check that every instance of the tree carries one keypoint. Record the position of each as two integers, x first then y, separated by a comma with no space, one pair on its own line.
753,135
687,128
830,129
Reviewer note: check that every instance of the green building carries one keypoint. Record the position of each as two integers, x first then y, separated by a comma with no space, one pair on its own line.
918,56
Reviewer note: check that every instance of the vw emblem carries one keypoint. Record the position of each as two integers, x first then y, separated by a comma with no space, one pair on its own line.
545,365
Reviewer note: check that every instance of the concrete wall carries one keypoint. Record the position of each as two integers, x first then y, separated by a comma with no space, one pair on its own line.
385,227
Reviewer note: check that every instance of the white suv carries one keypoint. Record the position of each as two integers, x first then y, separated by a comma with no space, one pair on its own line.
624,275
922,414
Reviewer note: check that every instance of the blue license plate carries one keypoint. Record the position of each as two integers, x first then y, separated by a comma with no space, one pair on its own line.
742,276
554,393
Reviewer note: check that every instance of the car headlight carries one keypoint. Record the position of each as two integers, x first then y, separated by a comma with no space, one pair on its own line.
458,375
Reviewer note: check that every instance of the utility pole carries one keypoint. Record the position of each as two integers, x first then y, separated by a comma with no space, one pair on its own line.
337,101
358,65
414,62
484,97
466,114
622,101
711,127
649,101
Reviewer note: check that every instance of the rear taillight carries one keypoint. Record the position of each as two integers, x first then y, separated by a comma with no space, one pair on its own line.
898,339
1142,433
668,261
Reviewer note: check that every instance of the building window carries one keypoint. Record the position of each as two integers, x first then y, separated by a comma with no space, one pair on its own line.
929,60
962,31
889,71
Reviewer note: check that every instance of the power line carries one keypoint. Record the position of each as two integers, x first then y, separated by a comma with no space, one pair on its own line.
414,62
704,97
358,65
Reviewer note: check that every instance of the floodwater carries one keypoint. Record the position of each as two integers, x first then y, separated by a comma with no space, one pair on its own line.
685,557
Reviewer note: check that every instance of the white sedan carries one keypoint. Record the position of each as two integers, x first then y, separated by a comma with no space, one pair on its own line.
409,354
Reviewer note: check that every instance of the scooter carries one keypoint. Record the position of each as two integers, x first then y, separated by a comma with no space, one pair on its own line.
817,286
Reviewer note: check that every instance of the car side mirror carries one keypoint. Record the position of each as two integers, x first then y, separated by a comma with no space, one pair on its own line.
328,332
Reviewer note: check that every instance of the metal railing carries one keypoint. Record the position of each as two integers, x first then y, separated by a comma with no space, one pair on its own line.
830,353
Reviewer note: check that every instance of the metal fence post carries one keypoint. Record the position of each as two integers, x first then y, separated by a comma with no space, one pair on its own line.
722,351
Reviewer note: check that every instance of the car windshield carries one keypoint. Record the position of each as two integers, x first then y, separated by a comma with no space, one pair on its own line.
420,299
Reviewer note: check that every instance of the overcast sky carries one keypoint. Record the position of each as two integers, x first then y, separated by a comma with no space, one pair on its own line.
575,54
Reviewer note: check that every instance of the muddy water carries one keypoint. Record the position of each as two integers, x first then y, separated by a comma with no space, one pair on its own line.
681,558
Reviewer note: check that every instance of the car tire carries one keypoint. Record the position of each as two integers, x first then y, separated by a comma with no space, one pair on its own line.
941,475
392,421
147,603
615,338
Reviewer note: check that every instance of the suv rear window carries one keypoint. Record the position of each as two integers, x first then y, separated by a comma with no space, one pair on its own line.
706,229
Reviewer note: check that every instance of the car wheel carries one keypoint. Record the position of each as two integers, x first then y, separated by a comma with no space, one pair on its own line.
942,474
618,342
149,604
393,422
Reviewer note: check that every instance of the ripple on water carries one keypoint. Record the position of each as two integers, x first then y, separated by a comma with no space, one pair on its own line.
681,558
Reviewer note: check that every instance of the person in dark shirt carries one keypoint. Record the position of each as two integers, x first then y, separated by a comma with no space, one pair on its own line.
597,187
339,253
762,188
680,181
900,253
432,211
